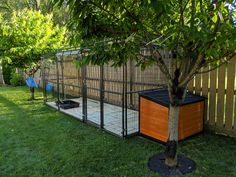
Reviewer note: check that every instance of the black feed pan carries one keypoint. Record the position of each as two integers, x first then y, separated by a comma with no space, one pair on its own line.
67,104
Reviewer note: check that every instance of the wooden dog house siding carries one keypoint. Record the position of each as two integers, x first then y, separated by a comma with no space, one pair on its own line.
154,108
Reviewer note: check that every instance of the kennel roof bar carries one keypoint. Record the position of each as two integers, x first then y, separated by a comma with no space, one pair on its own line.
65,52
71,52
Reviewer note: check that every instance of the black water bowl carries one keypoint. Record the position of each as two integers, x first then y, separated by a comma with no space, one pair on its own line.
67,104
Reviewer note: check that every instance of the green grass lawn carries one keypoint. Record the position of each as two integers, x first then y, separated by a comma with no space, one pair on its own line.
36,140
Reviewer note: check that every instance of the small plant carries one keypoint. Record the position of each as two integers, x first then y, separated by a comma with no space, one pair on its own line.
16,79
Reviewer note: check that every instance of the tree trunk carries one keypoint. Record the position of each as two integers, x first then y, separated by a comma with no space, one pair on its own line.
173,127
176,95
31,74
32,93
1,75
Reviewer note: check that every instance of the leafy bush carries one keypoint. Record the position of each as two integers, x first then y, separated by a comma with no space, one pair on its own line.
6,71
17,79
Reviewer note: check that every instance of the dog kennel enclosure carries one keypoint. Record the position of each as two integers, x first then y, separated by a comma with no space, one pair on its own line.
104,96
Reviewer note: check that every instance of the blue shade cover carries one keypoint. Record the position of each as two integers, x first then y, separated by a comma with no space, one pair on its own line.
30,82
49,87
162,97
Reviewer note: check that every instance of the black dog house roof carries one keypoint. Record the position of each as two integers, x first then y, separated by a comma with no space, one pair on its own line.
162,97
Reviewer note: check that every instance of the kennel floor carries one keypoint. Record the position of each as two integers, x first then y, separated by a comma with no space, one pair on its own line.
112,115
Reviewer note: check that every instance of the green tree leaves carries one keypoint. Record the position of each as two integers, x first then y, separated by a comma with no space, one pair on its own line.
190,28
28,35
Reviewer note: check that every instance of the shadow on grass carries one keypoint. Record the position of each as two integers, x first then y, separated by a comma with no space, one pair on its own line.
10,104
16,105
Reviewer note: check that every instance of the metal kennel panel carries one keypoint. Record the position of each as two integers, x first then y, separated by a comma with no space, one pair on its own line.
114,100
67,83
137,81
92,82
49,77
132,112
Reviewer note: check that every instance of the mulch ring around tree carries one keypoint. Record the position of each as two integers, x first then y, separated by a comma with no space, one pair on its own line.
185,165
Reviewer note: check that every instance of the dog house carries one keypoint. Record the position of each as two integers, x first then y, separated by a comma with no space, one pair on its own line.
154,109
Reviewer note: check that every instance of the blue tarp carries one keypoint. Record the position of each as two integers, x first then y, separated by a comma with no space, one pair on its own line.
30,82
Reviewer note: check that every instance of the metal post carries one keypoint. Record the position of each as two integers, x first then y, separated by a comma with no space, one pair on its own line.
44,81
125,80
131,71
123,104
84,93
79,82
101,97
80,79
62,78
58,85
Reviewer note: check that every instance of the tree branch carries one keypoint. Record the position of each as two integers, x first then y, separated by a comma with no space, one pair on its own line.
230,55
202,72
131,15
161,64
193,11
105,10
195,67
181,19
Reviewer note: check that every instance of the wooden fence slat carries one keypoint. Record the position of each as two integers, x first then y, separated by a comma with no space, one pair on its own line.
191,85
230,94
205,84
198,84
105,82
205,81
212,101
234,125
221,96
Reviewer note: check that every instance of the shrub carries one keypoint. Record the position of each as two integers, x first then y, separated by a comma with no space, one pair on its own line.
6,71
17,79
